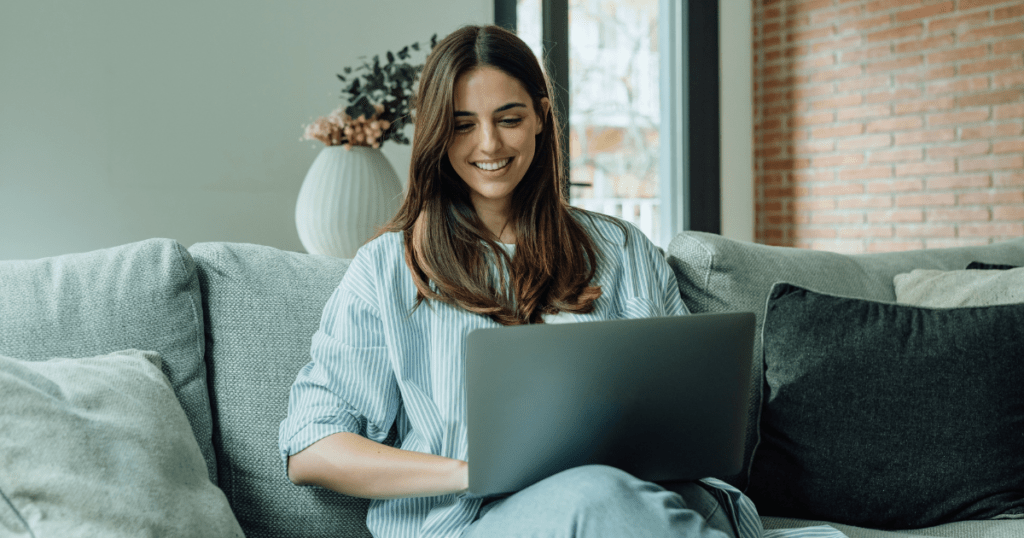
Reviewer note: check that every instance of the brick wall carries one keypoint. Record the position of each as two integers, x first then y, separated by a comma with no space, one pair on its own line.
884,125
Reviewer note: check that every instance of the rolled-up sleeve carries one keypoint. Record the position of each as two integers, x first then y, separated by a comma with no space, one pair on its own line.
349,384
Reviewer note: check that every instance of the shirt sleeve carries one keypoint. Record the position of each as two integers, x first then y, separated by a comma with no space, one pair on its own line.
649,287
349,385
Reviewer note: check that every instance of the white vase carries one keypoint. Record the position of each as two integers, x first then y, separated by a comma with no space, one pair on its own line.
346,196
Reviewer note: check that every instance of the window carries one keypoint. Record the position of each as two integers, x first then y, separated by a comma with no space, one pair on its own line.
628,80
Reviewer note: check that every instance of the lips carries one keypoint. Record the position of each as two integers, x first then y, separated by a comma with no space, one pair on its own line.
494,165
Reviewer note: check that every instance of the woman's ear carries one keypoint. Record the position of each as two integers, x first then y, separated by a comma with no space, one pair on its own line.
545,105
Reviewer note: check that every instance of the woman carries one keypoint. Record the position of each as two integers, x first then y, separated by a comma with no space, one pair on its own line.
485,238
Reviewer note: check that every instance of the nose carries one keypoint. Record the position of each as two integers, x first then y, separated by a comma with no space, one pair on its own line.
490,139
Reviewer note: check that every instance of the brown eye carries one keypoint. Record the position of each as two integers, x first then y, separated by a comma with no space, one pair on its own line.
511,122
462,127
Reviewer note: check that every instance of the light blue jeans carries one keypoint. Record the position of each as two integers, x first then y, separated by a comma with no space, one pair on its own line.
602,501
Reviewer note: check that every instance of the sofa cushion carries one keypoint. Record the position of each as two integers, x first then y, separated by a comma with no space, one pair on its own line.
263,306
142,295
890,416
717,274
100,446
999,528
949,289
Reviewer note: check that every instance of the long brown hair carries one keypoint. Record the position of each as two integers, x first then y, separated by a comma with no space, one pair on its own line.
446,242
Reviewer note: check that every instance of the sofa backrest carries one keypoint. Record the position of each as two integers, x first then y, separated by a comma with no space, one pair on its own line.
142,295
716,274
262,307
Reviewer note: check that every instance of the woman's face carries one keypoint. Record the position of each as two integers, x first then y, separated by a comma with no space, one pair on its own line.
493,144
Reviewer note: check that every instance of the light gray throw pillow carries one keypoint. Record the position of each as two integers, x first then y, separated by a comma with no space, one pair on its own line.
100,446
951,289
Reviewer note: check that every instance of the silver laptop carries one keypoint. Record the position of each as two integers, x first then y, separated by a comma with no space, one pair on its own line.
664,399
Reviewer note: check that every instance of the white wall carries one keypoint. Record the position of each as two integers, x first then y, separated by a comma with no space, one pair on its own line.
737,118
123,120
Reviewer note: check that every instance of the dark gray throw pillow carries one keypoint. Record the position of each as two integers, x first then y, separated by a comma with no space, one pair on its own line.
889,416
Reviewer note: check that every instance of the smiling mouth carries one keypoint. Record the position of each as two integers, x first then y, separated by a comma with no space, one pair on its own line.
490,167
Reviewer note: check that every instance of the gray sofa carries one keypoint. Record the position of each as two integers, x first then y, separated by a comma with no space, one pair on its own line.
232,325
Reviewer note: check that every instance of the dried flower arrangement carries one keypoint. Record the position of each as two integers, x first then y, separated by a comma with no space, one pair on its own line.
379,103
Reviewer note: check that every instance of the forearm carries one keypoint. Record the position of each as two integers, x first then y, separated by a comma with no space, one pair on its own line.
354,465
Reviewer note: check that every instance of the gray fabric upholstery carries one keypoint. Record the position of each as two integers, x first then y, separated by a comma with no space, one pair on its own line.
963,529
716,274
263,306
949,289
142,295
99,446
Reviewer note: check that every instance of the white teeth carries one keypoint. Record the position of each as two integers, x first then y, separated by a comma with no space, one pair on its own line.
492,166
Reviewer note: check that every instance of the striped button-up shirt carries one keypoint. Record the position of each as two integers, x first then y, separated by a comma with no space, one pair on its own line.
373,364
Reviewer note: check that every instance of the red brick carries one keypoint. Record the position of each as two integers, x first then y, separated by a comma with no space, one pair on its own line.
812,176
991,98
992,163
943,152
808,35
991,230
1013,45
838,189
835,102
922,12
924,137
808,5
895,246
991,131
898,215
923,169
895,95
795,20
871,231
914,77
949,23
865,202
895,155
989,66
1009,180
898,32
810,62
874,172
852,159
1005,80
895,124
963,85
786,82
987,32
929,230
809,91
957,118
925,105
821,146
957,215
862,83
1009,12
786,164
959,182
809,119
892,65
903,185
957,242
1014,213
812,204
836,44
837,218
834,74
886,5
909,200
863,24
966,53
835,132
872,111
971,4
992,198
936,42
854,56
1008,146
1008,111
827,17
813,233
873,141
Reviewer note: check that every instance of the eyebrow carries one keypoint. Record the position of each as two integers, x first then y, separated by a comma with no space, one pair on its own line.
499,109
